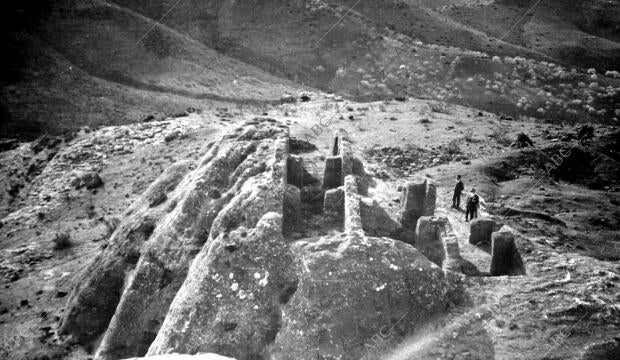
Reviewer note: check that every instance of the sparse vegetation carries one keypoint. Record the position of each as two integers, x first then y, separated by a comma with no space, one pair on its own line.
469,135
215,179
62,240
453,147
10,343
500,134
326,106
439,107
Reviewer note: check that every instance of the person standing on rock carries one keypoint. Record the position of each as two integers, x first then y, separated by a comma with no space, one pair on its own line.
458,189
471,207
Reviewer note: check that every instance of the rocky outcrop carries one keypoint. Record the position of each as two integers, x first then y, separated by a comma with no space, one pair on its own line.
202,263
349,287
230,301
236,182
98,291
241,179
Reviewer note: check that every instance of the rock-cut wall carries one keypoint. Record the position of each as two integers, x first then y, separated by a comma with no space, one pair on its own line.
201,264
126,292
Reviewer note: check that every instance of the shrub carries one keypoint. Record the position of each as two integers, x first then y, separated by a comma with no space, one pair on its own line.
326,106
500,134
62,240
469,135
453,147
439,107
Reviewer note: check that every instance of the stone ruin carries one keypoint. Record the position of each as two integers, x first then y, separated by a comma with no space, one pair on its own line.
501,241
203,261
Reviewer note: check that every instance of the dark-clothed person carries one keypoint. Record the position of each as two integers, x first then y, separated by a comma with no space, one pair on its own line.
473,200
458,189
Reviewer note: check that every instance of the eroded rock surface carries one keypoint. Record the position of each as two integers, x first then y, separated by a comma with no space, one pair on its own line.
97,293
202,263
232,187
230,301
350,286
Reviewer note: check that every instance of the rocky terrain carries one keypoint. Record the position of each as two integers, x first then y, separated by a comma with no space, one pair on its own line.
273,180
271,237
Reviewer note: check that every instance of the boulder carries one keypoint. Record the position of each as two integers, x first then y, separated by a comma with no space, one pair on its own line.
351,286
505,257
88,179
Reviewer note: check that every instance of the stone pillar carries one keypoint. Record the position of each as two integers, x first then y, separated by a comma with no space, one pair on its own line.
375,220
333,175
295,171
352,212
428,238
334,201
417,199
430,198
480,231
291,208
505,258
453,260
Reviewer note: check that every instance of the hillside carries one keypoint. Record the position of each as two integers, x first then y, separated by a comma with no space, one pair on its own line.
97,64
97,61
271,179
567,221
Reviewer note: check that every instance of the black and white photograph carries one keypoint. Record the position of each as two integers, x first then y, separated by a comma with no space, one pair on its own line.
310,180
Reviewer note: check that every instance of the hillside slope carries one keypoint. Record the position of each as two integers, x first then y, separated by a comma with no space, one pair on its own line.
95,63
175,54
368,50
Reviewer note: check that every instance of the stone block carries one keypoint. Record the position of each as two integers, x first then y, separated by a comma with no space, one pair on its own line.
505,257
